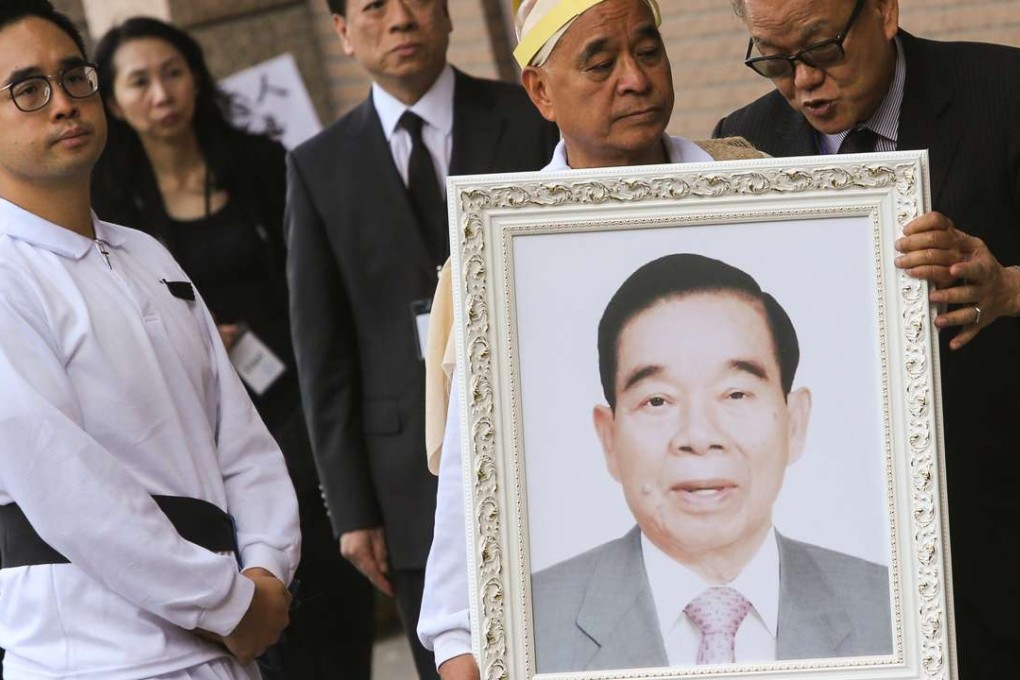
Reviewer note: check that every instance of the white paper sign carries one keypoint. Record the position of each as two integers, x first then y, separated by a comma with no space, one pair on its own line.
272,99
255,363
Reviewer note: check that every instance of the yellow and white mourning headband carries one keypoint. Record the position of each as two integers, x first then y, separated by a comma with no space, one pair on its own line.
541,23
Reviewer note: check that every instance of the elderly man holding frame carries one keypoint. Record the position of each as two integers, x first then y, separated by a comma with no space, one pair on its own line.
599,70
849,79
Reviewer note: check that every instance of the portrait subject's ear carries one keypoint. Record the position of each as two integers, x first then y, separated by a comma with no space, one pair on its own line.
340,26
605,428
798,405
535,82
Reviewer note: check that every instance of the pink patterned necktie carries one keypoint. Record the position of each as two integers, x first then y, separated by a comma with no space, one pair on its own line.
718,612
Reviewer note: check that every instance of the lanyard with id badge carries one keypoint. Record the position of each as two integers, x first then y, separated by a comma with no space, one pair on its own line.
258,366
421,315
421,312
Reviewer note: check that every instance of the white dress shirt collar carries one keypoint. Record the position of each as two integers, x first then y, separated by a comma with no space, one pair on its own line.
680,150
435,106
674,585
26,226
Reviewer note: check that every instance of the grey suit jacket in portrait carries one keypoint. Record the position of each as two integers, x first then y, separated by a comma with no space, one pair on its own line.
595,611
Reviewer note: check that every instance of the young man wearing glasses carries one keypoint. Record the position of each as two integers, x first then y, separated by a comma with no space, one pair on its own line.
127,436
849,79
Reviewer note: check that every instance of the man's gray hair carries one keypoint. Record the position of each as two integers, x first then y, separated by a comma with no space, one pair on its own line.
738,7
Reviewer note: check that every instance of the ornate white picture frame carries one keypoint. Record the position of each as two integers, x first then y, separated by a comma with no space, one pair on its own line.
537,258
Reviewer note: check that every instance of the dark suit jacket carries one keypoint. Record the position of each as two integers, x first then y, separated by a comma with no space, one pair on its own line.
595,611
962,103
356,263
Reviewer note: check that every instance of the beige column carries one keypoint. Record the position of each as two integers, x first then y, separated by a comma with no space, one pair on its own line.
76,12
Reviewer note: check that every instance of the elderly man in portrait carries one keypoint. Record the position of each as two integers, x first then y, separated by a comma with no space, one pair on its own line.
599,70
697,366
849,79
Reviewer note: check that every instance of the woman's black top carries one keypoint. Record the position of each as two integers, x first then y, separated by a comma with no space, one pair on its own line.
236,259
230,265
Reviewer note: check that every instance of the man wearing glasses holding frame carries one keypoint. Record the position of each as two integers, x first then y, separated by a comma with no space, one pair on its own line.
127,437
848,79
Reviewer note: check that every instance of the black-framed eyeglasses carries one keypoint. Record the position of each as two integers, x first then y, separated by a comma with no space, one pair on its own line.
819,55
34,92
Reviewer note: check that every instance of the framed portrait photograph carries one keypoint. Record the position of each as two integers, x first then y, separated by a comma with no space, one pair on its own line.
701,423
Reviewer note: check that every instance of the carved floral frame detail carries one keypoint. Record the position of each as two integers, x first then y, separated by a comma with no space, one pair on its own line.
902,176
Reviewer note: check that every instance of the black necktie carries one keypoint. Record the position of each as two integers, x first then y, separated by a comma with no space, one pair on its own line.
423,190
859,140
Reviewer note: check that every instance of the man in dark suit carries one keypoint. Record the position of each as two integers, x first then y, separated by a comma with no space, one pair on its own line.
366,232
847,78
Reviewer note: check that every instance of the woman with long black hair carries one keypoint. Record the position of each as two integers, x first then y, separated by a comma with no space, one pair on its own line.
214,195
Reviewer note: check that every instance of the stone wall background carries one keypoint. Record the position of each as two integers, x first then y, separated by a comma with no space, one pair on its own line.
705,40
